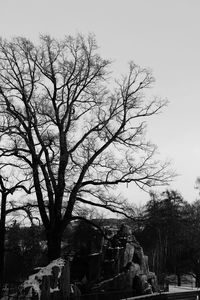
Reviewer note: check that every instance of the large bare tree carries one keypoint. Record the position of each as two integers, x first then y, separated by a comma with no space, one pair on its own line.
72,131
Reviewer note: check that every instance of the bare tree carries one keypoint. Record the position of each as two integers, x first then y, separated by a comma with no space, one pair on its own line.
71,131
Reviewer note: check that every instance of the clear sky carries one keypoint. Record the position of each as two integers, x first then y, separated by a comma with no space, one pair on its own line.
161,34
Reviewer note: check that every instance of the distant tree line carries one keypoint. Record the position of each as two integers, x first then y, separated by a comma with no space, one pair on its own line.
167,227
169,231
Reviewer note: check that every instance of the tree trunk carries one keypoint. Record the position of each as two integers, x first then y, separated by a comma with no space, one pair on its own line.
179,279
197,279
2,252
2,238
54,245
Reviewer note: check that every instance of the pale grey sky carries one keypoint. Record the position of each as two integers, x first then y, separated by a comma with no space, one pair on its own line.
161,34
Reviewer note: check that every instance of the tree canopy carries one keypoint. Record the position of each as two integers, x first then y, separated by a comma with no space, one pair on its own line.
68,132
